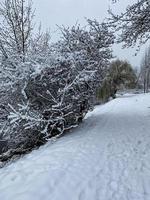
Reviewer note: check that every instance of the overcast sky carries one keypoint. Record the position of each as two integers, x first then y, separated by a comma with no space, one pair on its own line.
68,12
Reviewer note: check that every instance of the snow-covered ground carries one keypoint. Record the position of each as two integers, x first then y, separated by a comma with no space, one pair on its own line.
106,158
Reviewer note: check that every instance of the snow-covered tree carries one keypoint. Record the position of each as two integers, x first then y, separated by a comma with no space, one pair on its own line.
145,70
15,27
16,24
18,57
133,24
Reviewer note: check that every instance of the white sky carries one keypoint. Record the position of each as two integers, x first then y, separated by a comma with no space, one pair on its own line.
68,12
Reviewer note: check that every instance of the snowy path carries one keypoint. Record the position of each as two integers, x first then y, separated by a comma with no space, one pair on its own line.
106,158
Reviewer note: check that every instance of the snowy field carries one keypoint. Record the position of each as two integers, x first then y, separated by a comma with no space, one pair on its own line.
106,158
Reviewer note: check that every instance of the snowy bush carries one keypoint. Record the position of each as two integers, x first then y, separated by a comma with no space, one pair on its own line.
49,96
46,89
